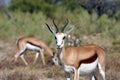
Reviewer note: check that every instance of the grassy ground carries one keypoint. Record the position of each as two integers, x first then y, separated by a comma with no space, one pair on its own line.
11,70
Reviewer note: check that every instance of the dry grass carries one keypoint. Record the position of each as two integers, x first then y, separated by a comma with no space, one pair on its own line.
10,70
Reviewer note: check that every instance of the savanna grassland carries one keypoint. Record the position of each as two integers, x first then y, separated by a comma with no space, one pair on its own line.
102,31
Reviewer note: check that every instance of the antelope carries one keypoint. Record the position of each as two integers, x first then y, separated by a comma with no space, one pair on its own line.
82,60
72,40
32,43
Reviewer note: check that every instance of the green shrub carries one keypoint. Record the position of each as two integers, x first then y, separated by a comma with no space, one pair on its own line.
27,24
33,6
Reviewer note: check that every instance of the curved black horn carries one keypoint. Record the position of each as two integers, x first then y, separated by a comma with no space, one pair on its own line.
51,30
57,30
64,26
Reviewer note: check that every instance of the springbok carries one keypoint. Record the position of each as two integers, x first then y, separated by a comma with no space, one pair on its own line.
32,43
80,60
73,40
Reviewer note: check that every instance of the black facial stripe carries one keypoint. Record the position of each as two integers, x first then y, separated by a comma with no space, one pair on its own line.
55,38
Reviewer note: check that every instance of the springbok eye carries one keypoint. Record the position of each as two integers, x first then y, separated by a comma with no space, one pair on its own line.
64,37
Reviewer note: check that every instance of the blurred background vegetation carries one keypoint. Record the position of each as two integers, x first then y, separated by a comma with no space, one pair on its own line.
90,17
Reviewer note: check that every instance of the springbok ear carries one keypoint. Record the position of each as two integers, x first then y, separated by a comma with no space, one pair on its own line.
68,32
51,30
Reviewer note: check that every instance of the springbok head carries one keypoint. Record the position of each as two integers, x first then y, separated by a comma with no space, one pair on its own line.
60,35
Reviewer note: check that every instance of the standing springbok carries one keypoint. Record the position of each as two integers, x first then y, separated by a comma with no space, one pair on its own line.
79,60
73,40
32,43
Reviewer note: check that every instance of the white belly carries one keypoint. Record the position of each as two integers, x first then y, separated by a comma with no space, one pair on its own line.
84,68
32,47
88,68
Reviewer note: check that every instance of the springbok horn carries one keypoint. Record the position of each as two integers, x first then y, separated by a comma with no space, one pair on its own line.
50,29
64,26
57,30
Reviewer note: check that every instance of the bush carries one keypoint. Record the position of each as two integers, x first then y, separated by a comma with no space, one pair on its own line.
33,24
33,6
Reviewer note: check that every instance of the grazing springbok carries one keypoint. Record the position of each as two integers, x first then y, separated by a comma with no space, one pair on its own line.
80,60
32,43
